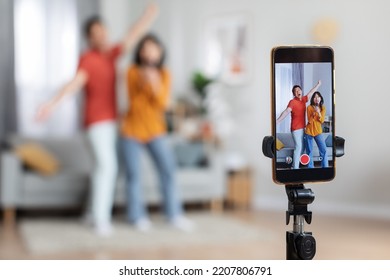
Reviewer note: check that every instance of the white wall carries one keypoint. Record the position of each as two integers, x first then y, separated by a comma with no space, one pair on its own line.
313,75
362,72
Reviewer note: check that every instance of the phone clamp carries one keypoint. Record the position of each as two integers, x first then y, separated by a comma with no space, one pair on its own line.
268,146
301,245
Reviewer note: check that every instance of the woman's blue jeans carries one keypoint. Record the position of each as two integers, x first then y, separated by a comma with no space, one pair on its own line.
321,147
164,162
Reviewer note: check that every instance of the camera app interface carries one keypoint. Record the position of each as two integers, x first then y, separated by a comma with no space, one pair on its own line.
304,117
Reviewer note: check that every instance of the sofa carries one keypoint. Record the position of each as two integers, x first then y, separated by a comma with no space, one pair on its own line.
288,145
200,176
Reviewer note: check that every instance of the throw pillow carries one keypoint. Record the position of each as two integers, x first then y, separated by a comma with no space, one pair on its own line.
279,144
37,158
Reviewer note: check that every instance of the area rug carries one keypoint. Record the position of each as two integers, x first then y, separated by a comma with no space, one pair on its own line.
44,236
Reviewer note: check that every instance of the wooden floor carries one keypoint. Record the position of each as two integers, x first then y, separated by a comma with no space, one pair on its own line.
338,238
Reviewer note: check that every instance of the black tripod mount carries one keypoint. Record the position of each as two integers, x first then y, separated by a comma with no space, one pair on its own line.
301,245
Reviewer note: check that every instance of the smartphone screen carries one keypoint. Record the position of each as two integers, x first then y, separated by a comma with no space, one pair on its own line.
303,114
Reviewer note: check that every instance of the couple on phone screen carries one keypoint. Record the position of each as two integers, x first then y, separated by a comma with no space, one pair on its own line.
303,134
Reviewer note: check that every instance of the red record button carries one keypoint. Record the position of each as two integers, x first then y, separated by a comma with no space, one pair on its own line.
305,159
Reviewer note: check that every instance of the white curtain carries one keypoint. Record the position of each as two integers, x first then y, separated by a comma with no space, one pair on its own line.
283,93
46,55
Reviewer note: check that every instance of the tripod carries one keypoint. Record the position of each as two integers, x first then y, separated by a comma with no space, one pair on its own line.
300,245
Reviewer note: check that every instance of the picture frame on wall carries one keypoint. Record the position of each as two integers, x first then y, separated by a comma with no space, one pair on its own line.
227,48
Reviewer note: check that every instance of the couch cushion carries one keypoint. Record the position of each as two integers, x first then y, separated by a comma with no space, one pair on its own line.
329,140
59,190
72,153
286,139
190,154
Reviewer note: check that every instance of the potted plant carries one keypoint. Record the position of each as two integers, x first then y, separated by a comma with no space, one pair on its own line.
200,83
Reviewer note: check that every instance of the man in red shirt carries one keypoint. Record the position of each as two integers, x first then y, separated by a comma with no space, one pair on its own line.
297,108
96,74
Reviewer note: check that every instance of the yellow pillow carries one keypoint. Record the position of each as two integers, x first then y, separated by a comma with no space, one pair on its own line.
37,158
279,144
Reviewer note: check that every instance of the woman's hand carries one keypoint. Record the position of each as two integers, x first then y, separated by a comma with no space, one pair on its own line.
317,112
153,76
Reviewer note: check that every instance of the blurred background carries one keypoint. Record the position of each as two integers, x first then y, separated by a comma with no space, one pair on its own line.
219,57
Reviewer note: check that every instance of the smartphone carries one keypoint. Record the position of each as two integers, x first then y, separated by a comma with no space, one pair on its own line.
303,114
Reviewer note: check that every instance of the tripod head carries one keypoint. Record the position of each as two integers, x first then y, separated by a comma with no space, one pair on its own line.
298,199
301,245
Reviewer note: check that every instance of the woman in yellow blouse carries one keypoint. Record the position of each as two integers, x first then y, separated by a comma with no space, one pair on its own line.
316,116
148,84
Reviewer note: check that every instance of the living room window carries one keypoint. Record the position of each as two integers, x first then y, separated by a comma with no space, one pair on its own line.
46,52
283,94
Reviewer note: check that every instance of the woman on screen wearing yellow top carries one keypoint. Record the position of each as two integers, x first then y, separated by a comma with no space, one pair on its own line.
316,116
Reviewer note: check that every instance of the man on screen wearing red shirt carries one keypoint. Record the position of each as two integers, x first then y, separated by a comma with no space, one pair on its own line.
297,108
96,74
